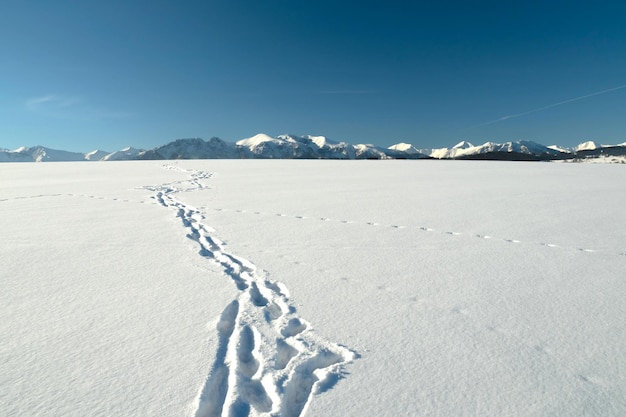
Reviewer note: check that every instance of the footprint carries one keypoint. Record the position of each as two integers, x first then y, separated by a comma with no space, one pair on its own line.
213,394
275,287
294,326
299,387
284,353
247,363
550,245
272,312
256,297
226,323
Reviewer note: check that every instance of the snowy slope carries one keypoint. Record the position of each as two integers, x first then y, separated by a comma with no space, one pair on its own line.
405,151
195,148
264,146
265,288
587,146
296,147
591,150
39,154
518,150
96,155
451,153
126,154
319,147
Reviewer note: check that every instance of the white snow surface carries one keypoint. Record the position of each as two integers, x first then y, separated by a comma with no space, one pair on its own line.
312,288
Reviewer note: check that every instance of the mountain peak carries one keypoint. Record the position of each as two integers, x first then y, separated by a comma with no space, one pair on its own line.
588,146
463,145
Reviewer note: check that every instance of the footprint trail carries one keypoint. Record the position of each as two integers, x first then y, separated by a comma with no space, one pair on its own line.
269,361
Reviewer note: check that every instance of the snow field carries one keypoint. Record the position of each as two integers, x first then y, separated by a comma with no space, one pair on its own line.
313,288
274,362
468,288
102,310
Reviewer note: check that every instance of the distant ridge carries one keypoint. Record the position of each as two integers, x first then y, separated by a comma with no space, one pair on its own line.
262,146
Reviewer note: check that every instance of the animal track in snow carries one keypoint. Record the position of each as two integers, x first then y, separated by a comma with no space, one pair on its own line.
587,250
171,188
422,228
269,361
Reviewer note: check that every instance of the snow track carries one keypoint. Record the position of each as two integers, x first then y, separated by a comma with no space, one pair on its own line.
195,184
269,361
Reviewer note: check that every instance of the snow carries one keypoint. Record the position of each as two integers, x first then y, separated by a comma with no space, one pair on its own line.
322,141
602,159
128,153
39,154
559,148
194,148
96,155
407,150
386,288
259,139
587,146
463,145
404,147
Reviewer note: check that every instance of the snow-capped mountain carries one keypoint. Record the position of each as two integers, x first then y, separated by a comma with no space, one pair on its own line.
451,153
195,148
319,147
39,154
406,151
96,155
264,146
591,149
590,145
296,147
126,154
522,150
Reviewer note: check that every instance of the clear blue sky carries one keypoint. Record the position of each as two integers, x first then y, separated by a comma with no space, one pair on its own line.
81,75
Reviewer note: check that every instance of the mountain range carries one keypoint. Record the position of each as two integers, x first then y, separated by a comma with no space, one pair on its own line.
262,146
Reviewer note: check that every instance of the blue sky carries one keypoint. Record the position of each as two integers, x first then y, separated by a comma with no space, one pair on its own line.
81,75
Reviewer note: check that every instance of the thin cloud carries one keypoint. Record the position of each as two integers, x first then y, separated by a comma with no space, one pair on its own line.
51,100
66,107
347,92
549,106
